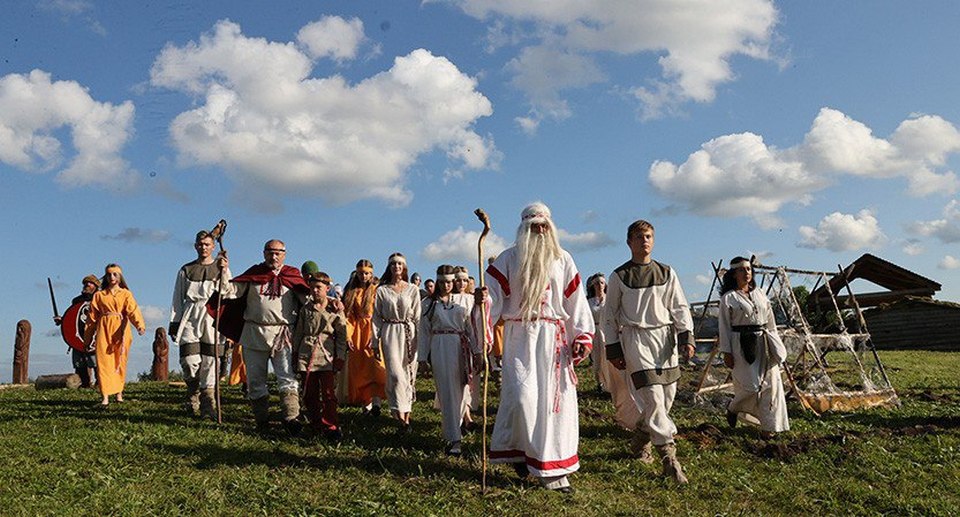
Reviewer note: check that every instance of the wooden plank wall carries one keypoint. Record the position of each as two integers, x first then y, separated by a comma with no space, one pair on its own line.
915,326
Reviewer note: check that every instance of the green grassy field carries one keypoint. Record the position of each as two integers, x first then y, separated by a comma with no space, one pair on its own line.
145,457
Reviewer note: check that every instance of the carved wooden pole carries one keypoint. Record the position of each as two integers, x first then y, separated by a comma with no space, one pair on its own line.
21,352
160,371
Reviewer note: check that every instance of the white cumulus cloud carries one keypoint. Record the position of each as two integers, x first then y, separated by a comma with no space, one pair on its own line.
912,247
274,128
739,175
461,245
154,317
332,37
843,232
949,262
585,241
947,229
33,108
575,33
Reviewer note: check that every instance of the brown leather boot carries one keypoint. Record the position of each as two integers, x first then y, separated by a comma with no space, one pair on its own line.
290,402
192,403
641,447
671,467
261,413
208,404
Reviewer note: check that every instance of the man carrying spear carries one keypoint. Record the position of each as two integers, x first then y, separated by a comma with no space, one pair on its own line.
192,327
548,328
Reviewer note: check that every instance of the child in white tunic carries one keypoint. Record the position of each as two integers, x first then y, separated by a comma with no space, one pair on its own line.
445,339
752,347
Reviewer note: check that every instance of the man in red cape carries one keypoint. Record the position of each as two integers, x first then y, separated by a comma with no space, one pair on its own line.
259,310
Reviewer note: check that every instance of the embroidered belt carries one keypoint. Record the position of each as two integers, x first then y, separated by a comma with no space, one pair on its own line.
465,354
407,337
563,356
747,328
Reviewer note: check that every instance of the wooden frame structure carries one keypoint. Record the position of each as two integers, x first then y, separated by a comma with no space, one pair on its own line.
807,371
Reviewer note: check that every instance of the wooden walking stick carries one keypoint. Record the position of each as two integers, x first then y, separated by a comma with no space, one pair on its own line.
483,324
217,234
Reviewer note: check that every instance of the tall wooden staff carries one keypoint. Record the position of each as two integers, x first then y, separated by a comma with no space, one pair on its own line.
217,233
483,324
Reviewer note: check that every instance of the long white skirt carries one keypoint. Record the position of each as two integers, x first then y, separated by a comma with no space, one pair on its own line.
533,425
401,372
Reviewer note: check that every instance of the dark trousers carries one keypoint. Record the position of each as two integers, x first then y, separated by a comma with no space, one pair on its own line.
320,398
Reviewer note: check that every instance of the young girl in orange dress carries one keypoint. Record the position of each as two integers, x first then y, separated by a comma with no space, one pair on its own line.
112,310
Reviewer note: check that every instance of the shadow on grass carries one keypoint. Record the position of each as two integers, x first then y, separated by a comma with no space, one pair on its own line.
389,461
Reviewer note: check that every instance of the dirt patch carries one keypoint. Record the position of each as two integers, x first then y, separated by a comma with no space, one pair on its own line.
787,450
917,430
703,436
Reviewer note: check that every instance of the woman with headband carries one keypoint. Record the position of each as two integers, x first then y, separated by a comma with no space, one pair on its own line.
445,338
366,376
752,347
112,310
463,294
396,313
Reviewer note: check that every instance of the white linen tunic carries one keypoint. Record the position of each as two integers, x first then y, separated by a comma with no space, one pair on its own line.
395,319
614,381
537,421
443,331
758,387
265,317
195,284
646,310
472,396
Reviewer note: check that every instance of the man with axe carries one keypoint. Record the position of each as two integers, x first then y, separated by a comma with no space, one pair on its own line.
192,327
548,328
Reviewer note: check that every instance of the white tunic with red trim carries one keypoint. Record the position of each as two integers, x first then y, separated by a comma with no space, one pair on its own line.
537,421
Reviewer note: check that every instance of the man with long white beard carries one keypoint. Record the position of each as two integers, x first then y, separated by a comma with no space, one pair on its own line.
535,288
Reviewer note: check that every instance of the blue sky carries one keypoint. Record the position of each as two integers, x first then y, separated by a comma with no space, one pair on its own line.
806,132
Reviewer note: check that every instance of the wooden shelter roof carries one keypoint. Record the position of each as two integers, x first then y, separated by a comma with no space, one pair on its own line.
899,282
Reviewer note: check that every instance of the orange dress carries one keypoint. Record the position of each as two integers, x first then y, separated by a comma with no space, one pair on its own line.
366,376
238,370
109,319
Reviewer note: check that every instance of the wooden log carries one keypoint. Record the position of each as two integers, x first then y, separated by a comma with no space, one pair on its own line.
58,381
160,371
21,352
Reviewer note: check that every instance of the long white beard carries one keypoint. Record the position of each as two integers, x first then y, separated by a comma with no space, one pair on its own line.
538,253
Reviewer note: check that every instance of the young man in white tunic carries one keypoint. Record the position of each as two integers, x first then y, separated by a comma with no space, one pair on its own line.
752,347
647,326
535,287
272,294
191,326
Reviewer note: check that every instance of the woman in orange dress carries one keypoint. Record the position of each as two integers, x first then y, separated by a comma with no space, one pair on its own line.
112,310
366,375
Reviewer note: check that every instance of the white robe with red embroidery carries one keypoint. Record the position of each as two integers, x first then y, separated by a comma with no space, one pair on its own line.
537,422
